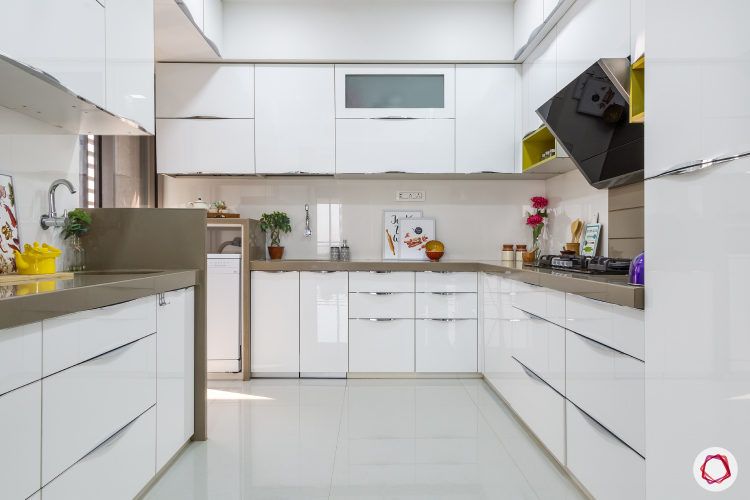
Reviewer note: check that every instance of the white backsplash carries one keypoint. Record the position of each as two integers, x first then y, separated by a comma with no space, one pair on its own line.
473,217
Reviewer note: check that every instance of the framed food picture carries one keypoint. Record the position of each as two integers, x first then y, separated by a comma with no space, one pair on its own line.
415,233
9,239
590,239
392,230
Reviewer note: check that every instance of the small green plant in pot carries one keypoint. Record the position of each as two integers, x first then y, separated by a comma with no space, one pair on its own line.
77,223
275,223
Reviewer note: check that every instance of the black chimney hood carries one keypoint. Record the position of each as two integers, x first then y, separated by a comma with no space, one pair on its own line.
589,118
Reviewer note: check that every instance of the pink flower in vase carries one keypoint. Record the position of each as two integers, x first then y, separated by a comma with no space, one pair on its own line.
534,220
539,202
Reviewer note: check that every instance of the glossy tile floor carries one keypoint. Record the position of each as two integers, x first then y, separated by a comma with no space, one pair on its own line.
361,439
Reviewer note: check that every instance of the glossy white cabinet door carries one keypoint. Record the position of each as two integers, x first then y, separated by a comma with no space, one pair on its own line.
185,146
381,282
174,372
538,80
385,345
274,323
697,55
584,36
609,386
213,22
20,356
76,337
446,282
446,305
446,346
605,466
130,60
186,90
410,145
20,432
324,323
539,301
295,118
637,29
372,305
118,469
485,111
527,16
86,404
540,346
64,39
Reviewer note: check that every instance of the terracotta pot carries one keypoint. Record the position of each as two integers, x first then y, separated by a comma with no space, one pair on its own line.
275,253
528,257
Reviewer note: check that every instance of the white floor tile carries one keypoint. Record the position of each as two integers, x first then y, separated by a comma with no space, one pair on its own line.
361,439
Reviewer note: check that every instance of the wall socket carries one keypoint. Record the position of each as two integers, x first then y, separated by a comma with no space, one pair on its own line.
410,195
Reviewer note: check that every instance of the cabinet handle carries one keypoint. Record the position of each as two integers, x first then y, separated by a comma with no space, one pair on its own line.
611,436
380,272
111,440
378,293
395,117
696,165
114,353
534,376
447,319
376,319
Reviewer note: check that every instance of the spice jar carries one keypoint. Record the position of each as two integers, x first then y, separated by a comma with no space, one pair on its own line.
507,254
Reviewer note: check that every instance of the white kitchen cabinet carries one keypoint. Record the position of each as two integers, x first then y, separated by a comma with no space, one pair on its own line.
606,467
540,346
20,356
274,323
20,455
395,90
63,39
187,90
540,301
80,336
448,282
213,22
395,145
323,324
446,305
208,146
117,469
88,403
637,29
196,10
174,372
130,60
538,80
366,281
381,345
549,7
446,345
527,16
295,128
374,305
588,33
485,111
609,386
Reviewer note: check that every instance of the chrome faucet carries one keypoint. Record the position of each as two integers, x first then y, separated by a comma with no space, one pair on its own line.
51,219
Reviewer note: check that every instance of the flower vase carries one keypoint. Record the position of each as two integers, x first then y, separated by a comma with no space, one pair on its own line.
77,254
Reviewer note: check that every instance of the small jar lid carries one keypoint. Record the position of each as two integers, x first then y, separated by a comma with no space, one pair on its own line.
507,246
520,247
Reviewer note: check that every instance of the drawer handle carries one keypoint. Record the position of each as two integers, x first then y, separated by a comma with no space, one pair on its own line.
376,293
447,319
111,440
603,347
114,353
534,376
380,272
376,319
603,430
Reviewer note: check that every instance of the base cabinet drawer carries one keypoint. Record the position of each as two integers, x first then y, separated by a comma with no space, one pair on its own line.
604,465
381,346
443,305
540,346
381,305
73,338
540,407
609,386
446,282
540,301
117,469
447,346
85,405
20,356
20,420
381,282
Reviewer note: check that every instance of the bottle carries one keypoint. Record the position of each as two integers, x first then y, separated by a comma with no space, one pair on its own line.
335,253
507,255
345,252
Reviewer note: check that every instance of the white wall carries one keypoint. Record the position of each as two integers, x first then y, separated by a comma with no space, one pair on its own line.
474,217
571,197
368,30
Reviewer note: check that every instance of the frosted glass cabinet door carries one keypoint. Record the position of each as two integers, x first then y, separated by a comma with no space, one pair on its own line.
324,324
295,128
274,323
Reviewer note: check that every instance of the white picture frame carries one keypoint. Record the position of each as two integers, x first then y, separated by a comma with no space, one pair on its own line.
422,228
391,230
590,243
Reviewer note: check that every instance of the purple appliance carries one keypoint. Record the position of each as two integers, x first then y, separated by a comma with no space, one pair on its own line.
636,274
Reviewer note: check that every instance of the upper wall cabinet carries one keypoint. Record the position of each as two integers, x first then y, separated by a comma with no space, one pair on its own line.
63,39
527,16
186,90
485,125
538,83
591,30
637,29
395,91
130,60
295,119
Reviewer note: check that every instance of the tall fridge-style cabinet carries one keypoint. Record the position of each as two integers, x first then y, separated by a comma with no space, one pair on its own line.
697,216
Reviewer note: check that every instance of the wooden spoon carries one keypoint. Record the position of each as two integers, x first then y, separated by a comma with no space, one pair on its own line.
576,227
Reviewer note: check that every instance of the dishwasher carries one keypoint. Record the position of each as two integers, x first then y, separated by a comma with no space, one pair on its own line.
224,313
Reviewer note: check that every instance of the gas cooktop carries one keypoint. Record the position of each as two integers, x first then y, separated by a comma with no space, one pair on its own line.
586,265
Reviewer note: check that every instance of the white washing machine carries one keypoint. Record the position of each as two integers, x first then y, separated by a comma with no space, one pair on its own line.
224,313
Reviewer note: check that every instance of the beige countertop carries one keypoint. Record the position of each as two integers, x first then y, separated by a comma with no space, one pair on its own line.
613,289
33,301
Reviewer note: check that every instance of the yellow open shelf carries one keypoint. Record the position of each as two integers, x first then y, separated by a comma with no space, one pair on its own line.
637,90
534,145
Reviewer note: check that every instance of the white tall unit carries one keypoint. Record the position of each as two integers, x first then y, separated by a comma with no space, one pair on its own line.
274,323
324,324
224,312
697,342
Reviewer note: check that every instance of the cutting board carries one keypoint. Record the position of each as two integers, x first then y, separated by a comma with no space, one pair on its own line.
10,279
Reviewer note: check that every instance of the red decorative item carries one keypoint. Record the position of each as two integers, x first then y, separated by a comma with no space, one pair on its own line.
539,202
536,221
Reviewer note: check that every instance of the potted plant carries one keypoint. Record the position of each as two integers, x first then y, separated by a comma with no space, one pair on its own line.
536,221
77,223
276,223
